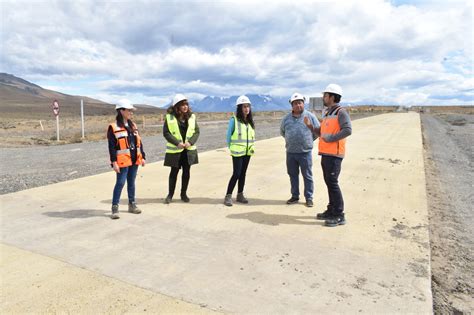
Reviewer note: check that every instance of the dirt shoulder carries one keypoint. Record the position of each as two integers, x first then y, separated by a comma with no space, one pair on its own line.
448,144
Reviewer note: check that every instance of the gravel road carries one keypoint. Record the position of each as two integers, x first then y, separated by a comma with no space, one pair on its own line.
448,141
34,166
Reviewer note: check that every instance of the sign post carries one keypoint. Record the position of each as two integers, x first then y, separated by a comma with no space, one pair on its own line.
82,118
56,113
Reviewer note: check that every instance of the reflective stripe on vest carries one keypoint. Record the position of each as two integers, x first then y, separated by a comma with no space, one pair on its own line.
173,128
124,157
242,139
330,126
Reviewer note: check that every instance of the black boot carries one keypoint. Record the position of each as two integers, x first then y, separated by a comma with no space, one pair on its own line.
184,197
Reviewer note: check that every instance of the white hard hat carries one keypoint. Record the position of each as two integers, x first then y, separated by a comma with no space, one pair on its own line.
333,88
297,96
124,103
178,98
242,99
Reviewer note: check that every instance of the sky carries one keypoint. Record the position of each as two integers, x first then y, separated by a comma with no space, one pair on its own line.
380,52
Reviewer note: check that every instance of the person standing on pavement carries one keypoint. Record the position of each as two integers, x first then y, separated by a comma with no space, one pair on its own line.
299,145
240,140
182,132
126,154
335,128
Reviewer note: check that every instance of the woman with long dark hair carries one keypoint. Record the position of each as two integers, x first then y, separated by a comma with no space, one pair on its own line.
240,140
126,154
182,132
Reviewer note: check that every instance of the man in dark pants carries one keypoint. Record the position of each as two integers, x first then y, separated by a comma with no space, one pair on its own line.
335,127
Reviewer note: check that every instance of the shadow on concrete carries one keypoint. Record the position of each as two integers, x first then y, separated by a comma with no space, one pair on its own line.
275,219
139,201
199,201
219,201
78,214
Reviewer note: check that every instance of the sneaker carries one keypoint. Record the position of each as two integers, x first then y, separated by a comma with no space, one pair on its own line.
335,221
324,215
168,199
185,198
228,200
241,198
115,212
292,200
132,208
309,203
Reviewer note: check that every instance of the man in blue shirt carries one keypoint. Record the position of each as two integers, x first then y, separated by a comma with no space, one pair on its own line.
299,145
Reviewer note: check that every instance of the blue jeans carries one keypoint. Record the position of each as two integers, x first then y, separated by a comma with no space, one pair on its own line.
127,174
295,162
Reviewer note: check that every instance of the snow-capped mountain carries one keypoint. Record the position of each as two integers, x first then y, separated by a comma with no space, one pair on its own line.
227,104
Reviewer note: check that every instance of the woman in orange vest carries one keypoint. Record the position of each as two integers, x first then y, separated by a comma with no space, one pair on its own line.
126,154
335,128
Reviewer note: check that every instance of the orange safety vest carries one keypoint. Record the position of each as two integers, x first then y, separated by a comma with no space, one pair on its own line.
124,158
330,125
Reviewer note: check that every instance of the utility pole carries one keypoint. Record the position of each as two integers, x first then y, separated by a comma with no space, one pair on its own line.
82,117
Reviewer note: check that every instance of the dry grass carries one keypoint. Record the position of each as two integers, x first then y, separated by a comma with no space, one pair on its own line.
20,131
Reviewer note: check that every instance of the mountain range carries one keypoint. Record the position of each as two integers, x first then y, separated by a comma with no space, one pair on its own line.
20,98
227,104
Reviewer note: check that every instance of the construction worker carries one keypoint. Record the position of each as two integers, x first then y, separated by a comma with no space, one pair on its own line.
126,154
299,145
240,141
181,131
335,127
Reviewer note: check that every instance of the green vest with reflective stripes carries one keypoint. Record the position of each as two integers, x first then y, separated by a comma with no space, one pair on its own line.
242,140
173,127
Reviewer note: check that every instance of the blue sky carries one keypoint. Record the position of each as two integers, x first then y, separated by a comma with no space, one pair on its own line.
380,52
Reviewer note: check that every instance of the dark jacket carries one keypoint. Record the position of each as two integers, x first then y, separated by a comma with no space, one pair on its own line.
172,159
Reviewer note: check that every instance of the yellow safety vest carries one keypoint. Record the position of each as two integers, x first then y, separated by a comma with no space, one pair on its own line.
242,140
173,127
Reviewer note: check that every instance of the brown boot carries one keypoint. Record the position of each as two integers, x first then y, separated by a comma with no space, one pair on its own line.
115,212
132,208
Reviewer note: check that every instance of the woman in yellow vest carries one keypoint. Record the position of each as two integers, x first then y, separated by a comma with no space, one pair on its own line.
240,140
126,154
181,131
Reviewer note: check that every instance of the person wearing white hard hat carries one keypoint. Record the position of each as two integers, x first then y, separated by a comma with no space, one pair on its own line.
126,154
299,145
240,141
182,132
335,128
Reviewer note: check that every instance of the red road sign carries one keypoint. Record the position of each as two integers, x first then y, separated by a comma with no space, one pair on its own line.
55,108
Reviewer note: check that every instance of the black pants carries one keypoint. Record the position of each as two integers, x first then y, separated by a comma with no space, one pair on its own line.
331,168
240,165
173,178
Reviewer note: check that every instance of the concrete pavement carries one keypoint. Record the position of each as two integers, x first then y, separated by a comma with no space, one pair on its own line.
265,257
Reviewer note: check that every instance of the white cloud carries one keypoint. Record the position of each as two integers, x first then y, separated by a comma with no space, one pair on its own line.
380,52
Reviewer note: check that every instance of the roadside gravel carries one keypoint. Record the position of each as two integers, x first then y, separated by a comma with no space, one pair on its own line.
448,143
34,166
